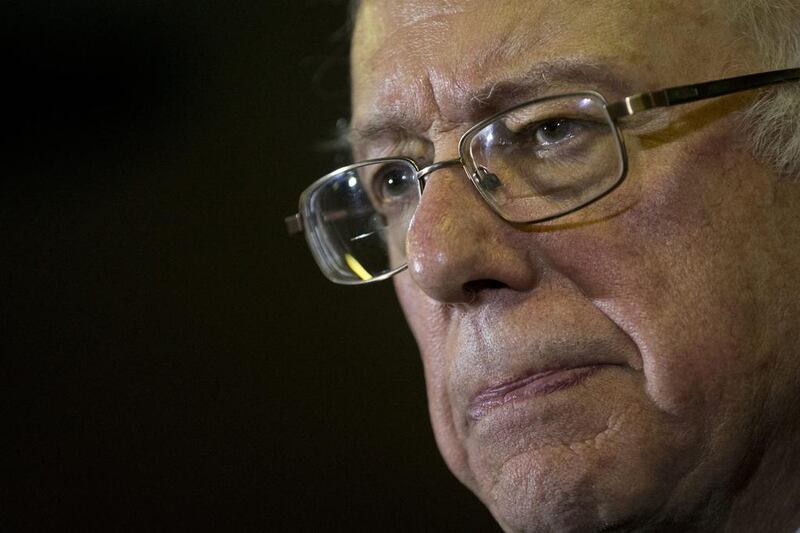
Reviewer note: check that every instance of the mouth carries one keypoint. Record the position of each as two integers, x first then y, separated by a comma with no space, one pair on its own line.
537,384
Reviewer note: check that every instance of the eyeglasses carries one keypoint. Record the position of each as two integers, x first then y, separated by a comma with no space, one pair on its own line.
537,161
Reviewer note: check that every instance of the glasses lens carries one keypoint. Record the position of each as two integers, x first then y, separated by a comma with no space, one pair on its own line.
547,158
357,219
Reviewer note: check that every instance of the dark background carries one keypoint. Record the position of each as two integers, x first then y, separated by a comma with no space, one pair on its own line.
171,359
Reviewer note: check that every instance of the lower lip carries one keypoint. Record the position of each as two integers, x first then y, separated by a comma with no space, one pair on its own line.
541,384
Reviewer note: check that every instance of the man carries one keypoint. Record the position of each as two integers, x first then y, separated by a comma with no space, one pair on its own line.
606,301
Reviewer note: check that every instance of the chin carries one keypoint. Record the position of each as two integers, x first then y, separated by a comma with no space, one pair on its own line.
566,498
630,477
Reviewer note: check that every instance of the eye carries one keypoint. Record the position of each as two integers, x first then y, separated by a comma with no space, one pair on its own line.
393,182
554,131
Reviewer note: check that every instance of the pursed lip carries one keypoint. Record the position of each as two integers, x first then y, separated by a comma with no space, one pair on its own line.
534,383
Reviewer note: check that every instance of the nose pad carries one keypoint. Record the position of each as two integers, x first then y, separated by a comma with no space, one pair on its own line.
488,180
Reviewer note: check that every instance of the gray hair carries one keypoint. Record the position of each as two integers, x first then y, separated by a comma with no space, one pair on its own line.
772,29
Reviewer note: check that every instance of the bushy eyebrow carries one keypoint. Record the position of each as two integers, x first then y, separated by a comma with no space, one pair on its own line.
495,95
541,77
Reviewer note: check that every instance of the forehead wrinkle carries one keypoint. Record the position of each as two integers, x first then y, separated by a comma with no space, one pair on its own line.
446,104
400,105
414,12
412,95
416,28
455,84
413,28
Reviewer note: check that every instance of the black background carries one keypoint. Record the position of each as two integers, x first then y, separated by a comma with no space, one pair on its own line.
171,359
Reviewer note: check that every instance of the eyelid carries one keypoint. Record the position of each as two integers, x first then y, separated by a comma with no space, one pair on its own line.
543,114
533,124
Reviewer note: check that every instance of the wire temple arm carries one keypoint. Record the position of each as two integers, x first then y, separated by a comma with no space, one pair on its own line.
294,224
690,93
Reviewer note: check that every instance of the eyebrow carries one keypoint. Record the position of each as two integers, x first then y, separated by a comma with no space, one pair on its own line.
494,96
540,79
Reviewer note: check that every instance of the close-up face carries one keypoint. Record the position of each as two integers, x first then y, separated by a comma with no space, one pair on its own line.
630,364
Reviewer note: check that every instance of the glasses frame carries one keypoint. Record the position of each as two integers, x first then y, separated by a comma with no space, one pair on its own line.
318,250
464,150
616,110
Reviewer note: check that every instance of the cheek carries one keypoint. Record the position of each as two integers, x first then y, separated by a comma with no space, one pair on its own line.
430,323
426,318
671,272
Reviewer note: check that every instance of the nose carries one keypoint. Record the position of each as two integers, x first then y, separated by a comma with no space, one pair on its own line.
457,246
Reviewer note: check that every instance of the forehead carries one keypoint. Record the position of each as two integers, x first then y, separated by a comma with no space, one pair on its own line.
430,60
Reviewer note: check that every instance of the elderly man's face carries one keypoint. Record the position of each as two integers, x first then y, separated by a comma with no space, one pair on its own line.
632,361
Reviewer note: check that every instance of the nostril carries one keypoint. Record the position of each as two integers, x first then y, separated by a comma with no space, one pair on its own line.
478,285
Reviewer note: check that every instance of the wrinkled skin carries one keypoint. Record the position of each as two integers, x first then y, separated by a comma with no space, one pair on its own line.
679,290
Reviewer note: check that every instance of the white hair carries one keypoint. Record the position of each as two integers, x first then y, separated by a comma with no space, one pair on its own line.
772,29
